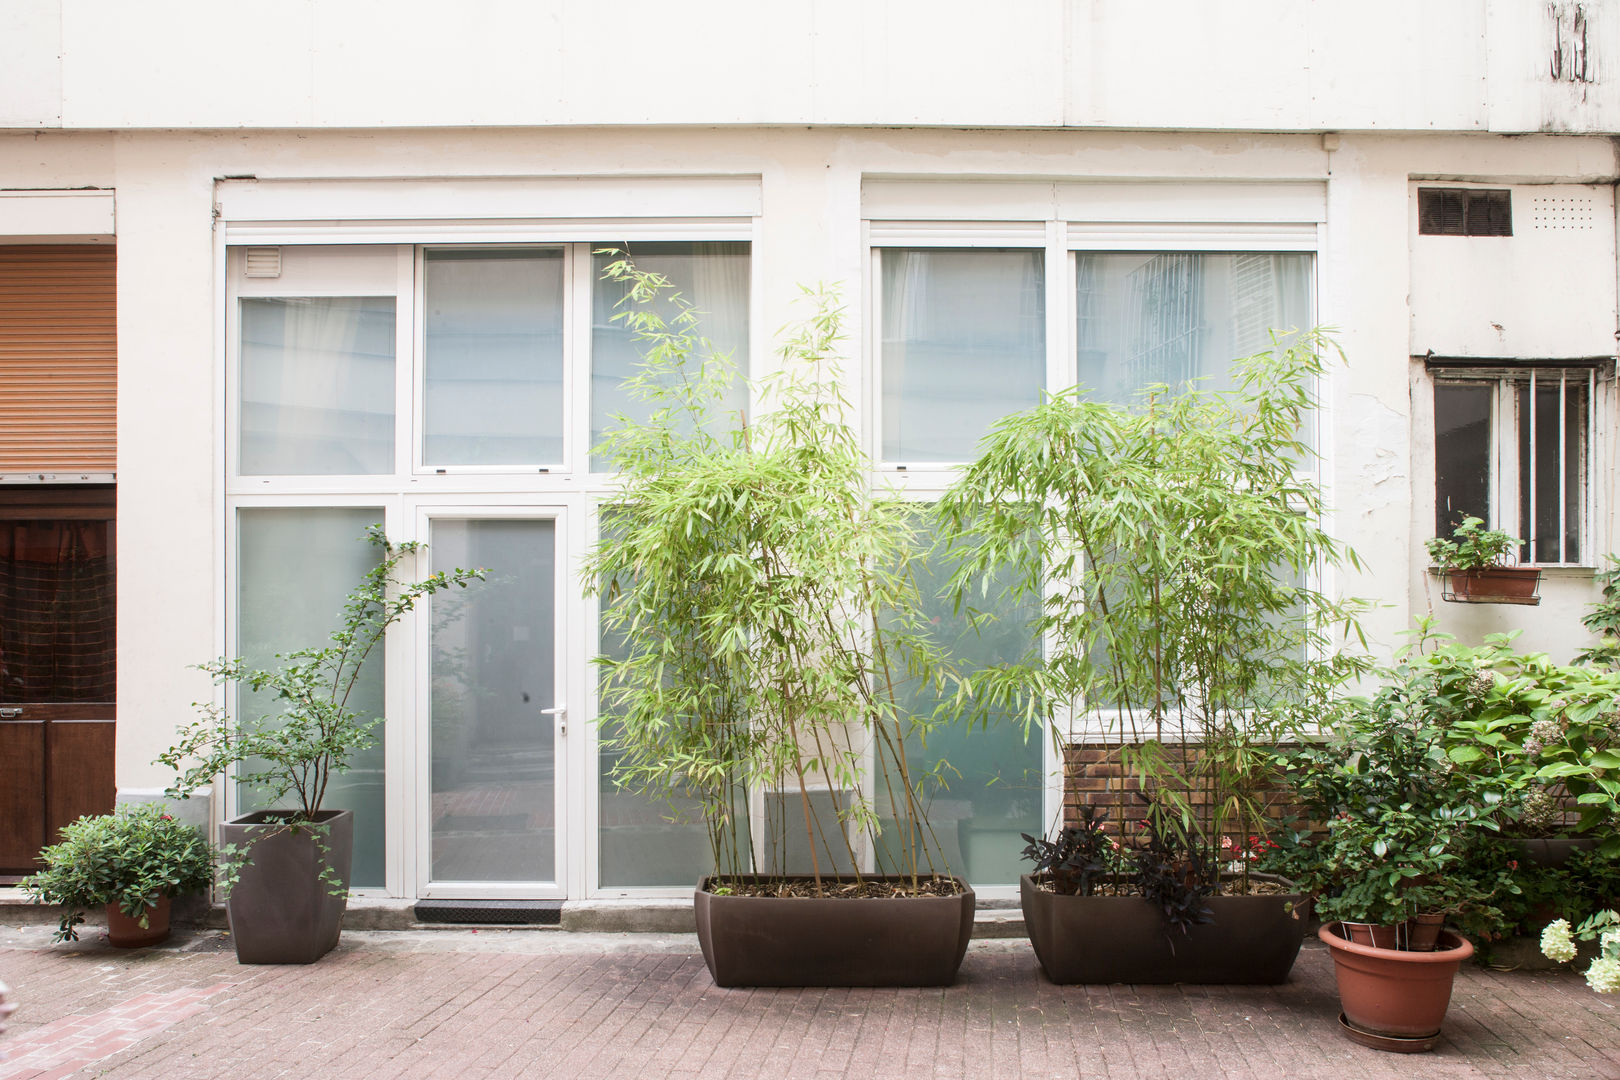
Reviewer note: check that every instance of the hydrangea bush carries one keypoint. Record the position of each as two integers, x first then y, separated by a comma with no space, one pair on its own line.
1558,943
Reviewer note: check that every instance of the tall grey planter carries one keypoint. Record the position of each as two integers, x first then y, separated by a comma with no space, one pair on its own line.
280,910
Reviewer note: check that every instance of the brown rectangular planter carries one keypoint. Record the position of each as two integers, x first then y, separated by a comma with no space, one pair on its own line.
1125,939
1496,585
833,941
280,911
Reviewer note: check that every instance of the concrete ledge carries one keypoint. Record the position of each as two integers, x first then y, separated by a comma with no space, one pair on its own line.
642,916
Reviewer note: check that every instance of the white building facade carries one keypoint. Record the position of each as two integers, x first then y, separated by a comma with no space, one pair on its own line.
357,281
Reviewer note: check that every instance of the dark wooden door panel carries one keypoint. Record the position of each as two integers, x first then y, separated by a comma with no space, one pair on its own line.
79,763
22,794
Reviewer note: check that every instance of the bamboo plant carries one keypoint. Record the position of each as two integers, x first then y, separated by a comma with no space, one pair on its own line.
764,611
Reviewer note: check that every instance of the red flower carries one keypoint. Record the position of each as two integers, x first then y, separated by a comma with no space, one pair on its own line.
1513,864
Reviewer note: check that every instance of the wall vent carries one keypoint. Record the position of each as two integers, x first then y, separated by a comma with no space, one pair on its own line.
1561,213
1465,212
262,262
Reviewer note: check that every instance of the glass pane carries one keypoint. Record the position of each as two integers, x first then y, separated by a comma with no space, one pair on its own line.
317,385
1557,509
1462,453
1169,318
714,278
295,567
964,344
977,816
494,357
644,841
493,671
57,612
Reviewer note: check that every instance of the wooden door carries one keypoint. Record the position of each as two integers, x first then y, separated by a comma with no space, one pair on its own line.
57,664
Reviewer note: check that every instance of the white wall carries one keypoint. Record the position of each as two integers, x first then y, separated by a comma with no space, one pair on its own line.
1266,65
171,507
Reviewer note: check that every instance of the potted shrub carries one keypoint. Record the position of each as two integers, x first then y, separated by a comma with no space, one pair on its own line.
286,871
132,862
769,628
1477,565
1168,549
1403,828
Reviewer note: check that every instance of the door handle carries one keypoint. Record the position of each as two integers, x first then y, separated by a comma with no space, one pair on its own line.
11,713
561,713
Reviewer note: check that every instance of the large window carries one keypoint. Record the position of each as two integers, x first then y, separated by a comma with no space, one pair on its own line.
1511,447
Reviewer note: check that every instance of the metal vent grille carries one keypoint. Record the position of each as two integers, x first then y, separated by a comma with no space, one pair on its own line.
1561,213
1465,212
491,912
262,262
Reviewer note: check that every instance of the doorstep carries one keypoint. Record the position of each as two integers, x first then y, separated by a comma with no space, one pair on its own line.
994,918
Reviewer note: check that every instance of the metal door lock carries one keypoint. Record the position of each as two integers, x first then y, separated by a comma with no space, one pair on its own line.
561,713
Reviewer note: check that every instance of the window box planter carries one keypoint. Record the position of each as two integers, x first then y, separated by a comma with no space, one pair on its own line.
1124,939
1494,585
280,910
1394,999
833,941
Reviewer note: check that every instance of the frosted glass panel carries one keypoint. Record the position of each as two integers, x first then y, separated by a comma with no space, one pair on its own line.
1172,317
977,816
317,385
711,277
493,392
494,670
964,344
295,567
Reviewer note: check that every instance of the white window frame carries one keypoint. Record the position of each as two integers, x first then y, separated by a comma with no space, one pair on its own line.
300,214
1507,425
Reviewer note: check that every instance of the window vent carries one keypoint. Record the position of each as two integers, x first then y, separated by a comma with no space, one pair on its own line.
1552,213
262,262
1465,212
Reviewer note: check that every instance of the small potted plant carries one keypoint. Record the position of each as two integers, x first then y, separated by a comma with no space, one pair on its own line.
285,871
1478,565
132,862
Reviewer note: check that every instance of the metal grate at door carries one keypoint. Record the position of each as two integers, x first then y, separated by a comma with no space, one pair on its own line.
491,912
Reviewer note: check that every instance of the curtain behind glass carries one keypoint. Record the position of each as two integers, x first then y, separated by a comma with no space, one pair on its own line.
493,368
712,277
1171,317
295,568
964,344
317,386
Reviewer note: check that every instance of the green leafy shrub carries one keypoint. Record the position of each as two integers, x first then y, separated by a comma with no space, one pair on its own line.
1471,547
131,858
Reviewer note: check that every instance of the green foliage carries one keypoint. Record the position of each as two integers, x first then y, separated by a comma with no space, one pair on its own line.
1604,620
131,858
1403,821
1168,549
765,599
1535,731
1471,547
293,753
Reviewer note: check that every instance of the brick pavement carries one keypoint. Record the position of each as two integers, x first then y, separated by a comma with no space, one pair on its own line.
497,1004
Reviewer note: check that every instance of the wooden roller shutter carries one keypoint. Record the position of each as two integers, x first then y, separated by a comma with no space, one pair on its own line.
58,360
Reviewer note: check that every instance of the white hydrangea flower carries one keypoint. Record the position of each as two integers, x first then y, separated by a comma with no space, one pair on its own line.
1610,939
1604,975
1556,944
1545,731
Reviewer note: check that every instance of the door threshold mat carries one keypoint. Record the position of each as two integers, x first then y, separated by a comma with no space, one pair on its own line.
486,912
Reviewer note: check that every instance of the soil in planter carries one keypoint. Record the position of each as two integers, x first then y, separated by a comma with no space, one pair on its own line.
831,888
1229,886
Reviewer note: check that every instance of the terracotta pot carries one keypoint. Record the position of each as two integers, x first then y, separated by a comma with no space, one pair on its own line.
1423,932
1124,939
1496,585
279,910
128,933
1391,992
1375,935
833,941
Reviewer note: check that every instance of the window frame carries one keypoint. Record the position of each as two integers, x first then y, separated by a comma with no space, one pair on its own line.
1505,378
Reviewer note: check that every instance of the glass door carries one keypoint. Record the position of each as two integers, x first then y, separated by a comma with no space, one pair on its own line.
496,717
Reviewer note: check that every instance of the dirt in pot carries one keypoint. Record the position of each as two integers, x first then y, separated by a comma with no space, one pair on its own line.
880,888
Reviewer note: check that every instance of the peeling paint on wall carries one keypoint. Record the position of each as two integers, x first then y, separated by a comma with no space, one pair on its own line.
1571,59
1382,437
